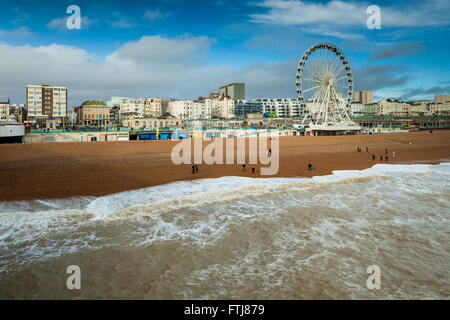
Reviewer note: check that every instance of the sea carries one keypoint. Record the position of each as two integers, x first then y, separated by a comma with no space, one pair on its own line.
238,238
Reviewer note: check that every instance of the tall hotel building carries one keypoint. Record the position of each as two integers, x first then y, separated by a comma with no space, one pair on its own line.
44,100
363,97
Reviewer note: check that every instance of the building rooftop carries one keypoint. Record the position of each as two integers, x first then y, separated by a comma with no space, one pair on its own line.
93,103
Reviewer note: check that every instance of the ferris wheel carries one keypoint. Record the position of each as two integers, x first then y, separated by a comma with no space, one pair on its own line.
325,85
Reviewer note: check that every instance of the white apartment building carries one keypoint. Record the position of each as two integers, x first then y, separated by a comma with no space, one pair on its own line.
359,109
439,108
363,97
419,108
282,107
222,108
201,109
181,109
153,108
442,98
132,108
4,111
393,107
45,100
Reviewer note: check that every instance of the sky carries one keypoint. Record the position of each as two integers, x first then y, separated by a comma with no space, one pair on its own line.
180,49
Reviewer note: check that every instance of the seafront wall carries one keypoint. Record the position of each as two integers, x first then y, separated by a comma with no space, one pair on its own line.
125,136
75,137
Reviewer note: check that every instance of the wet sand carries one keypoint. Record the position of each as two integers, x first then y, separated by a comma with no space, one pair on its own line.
62,170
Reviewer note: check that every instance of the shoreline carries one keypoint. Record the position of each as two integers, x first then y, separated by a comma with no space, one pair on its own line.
69,170
432,163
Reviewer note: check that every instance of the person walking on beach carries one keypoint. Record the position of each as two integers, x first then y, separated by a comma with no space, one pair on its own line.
253,170
373,157
381,158
196,168
387,157
243,167
193,169
309,166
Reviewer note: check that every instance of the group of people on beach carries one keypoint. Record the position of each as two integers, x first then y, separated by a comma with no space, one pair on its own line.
253,168
386,157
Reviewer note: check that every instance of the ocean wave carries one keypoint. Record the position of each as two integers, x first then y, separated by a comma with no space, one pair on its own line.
345,212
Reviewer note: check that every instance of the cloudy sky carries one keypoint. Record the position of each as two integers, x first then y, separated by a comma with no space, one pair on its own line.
183,49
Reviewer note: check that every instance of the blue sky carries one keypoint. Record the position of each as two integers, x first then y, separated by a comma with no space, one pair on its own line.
184,49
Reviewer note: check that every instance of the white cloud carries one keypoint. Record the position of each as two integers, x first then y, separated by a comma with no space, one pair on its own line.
155,15
152,66
151,49
121,24
294,12
339,13
57,23
332,33
16,33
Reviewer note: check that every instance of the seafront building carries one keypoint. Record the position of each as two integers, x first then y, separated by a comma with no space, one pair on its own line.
92,113
153,123
4,111
442,98
363,110
282,107
153,107
131,108
393,107
114,114
181,109
201,109
44,101
396,107
363,97
223,108
235,91
164,106
419,108
243,108
439,109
